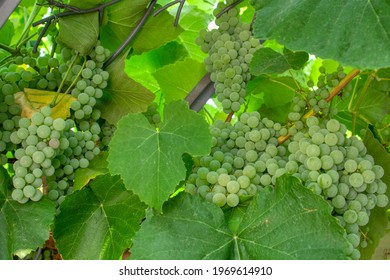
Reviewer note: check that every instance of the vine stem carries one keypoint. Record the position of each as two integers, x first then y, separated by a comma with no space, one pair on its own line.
7,48
229,117
335,91
131,36
27,25
227,8
76,12
181,5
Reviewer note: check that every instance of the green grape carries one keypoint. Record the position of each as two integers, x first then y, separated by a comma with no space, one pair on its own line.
363,218
338,201
313,163
324,181
53,195
38,157
313,150
43,131
333,125
223,179
84,163
233,187
350,216
382,200
83,98
368,176
17,194
354,239
29,191
356,180
350,165
219,199
212,177
37,118
244,181
249,171
232,200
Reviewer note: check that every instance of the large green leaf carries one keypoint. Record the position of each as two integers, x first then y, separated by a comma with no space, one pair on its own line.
190,228
23,227
99,221
79,32
149,159
120,20
141,67
378,217
186,75
330,29
287,222
268,61
290,222
158,31
123,17
273,95
124,95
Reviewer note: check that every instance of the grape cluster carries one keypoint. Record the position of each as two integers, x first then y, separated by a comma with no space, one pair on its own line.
339,169
247,157
49,150
230,49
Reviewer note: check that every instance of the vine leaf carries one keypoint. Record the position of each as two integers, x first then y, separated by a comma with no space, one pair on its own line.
7,31
32,100
268,61
149,159
141,67
187,74
270,228
23,227
273,95
189,229
123,17
97,166
378,217
119,20
303,25
79,32
124,95
99,221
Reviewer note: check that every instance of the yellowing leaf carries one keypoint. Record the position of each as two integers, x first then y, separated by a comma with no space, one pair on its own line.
32,100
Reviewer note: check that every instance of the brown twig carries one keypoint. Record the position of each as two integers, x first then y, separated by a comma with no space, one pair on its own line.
335,91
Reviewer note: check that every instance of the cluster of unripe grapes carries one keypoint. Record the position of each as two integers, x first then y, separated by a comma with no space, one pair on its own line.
246,157
47,150
230,49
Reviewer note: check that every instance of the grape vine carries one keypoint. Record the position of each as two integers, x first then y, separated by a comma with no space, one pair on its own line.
144,121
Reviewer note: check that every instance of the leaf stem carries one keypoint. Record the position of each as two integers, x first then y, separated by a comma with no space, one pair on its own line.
53,103
362,94
28,23
7,48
